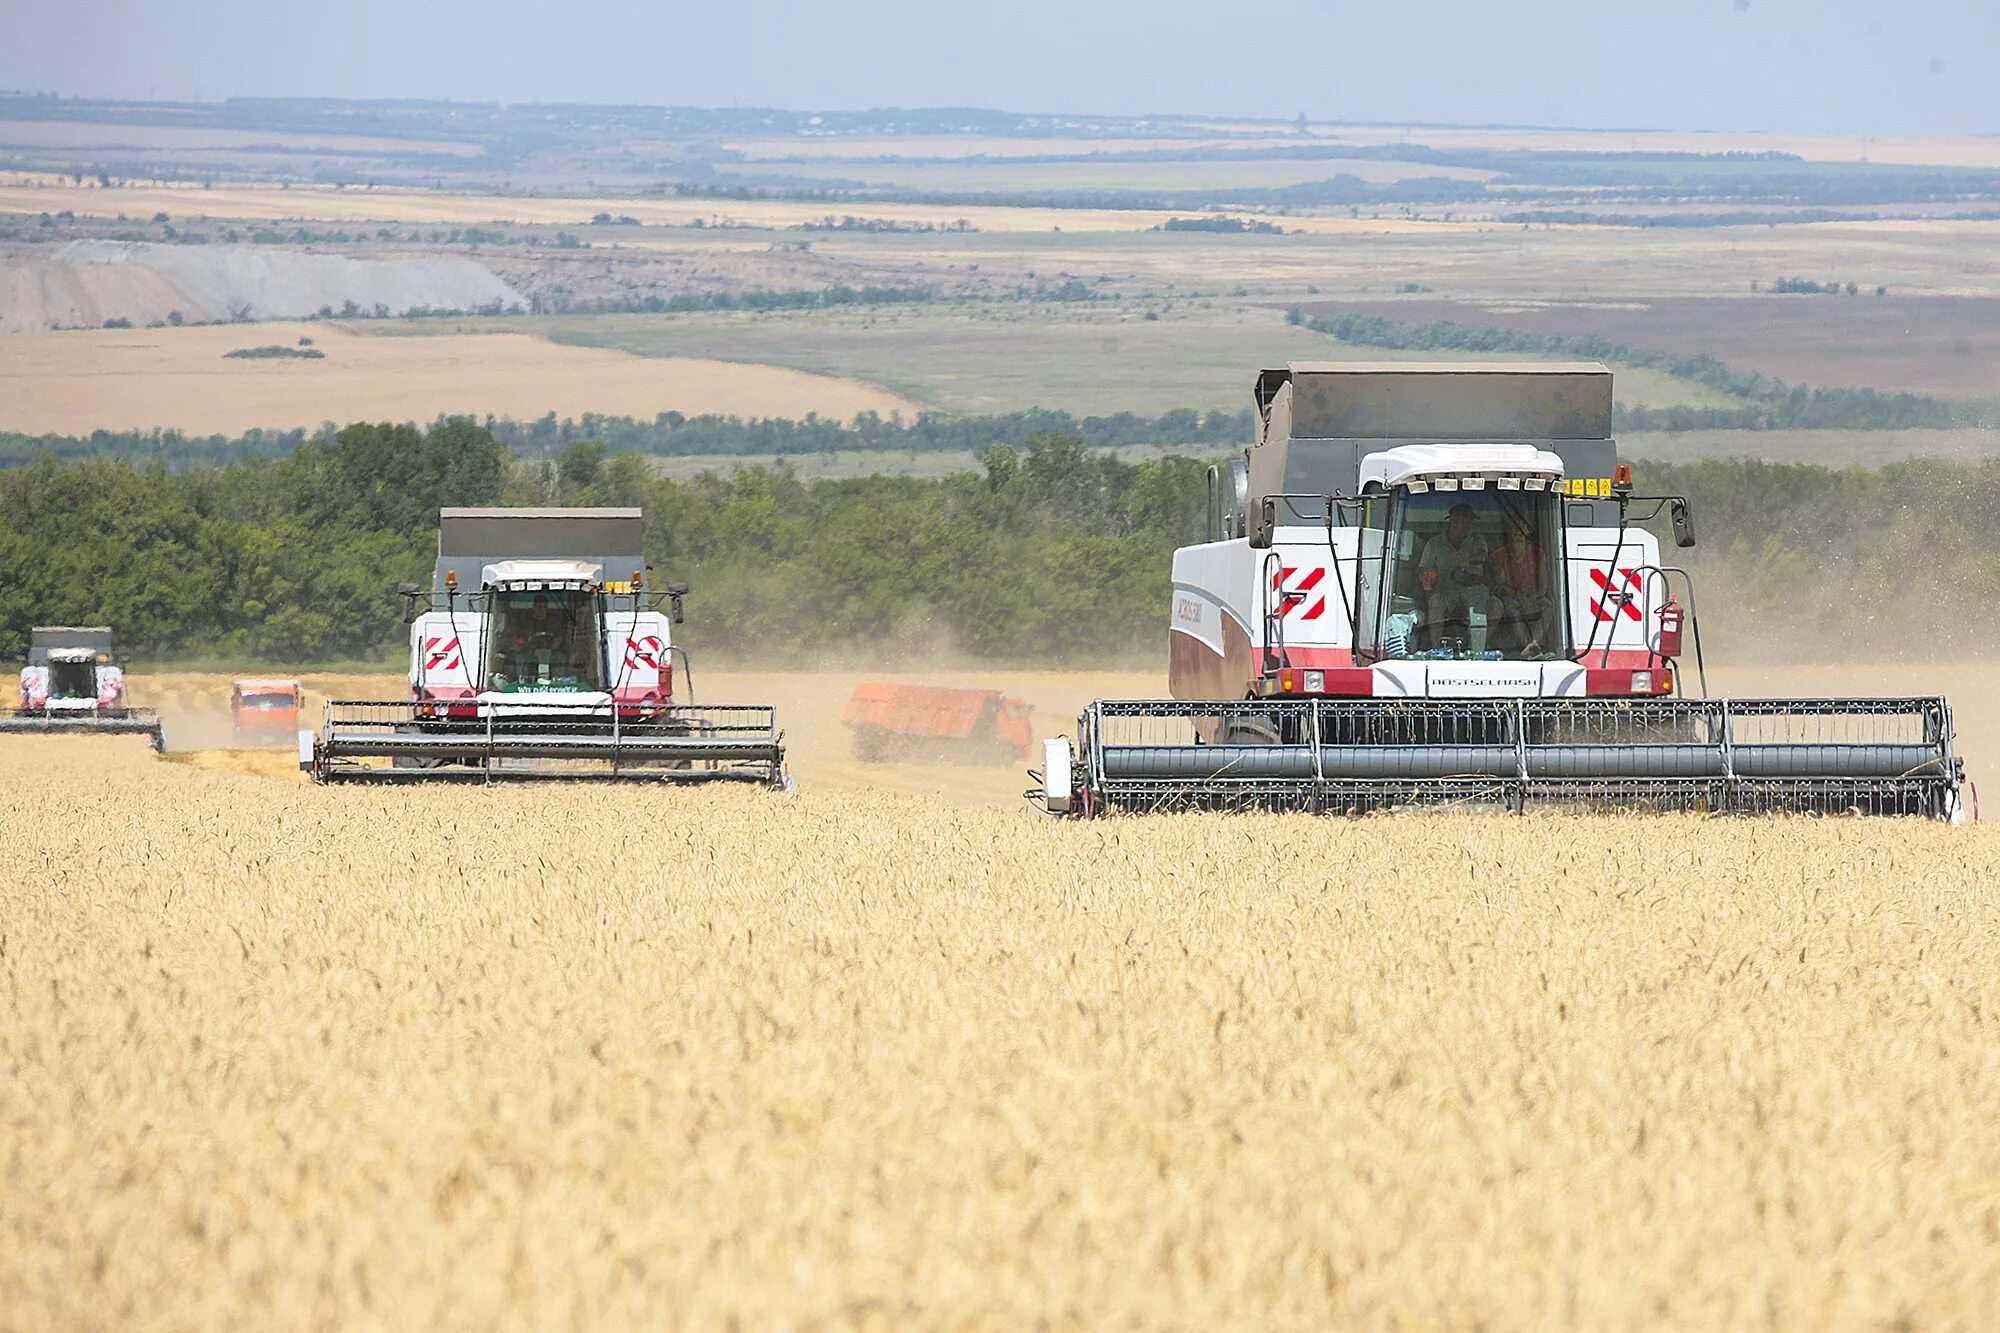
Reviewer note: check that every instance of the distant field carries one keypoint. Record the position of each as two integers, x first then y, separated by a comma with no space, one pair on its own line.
1970,150
1917,344
362,204
980,359
75,382
863,147
1184,174
1346,258
1931,150
94,134
1828,448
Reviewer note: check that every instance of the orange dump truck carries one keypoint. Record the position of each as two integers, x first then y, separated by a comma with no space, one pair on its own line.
935,721
266,710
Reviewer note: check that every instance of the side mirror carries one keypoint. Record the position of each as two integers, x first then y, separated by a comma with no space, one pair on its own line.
1683,523
1266,525
675,589
409,592
679,617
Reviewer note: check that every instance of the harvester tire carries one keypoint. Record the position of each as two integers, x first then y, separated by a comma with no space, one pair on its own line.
1246,731
415,761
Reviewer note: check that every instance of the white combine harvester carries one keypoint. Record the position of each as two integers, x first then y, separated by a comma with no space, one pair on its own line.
541,652
1422,586
74,684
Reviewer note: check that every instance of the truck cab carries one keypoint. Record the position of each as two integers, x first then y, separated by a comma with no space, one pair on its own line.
1427,531
265,709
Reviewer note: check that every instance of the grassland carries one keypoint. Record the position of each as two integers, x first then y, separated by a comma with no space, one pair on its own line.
278,1056
1088,358
116,379
1829,448
1940,345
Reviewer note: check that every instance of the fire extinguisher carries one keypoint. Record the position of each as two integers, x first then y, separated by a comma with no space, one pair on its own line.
1670,629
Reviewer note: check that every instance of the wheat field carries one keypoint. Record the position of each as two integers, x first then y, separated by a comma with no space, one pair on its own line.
79,380
283,1056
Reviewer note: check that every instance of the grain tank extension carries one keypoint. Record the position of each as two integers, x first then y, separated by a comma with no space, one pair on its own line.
540,651
1432,585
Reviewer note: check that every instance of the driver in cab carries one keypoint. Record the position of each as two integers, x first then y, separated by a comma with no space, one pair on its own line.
1453,566
538,639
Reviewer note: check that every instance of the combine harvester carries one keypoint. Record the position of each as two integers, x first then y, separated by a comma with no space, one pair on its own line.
537,653
1423,586
74,685
938,722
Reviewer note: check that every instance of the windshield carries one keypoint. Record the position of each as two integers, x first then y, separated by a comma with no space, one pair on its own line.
267,703
544,639
72,680
1473,576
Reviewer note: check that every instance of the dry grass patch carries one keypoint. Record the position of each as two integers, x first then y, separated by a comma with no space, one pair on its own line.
286,1056
75,381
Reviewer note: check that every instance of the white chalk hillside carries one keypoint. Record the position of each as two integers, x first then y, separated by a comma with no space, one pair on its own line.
84,283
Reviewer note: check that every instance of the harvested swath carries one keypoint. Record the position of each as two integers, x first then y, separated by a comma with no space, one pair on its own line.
285,1055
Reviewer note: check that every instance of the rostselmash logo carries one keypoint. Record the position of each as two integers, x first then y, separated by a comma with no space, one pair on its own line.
1187,609
1512,680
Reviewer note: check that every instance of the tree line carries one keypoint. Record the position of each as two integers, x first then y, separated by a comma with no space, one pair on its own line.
674,434
1047,553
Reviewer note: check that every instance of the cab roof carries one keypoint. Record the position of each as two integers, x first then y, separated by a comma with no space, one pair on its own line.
1420,462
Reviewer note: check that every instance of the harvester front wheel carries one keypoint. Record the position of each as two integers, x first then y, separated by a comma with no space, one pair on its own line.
411,760
1246,731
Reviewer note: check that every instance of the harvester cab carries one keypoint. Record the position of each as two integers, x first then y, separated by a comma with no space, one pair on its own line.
1435,584
542,650
74,684
541,631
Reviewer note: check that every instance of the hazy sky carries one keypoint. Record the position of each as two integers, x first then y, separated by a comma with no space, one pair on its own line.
1849,65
